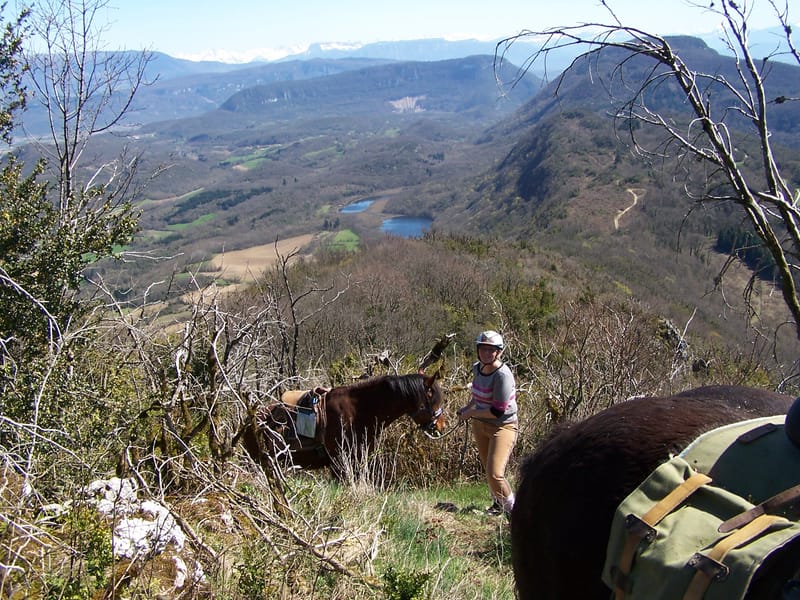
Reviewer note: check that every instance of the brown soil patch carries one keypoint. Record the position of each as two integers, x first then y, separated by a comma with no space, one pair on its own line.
378,206
245,265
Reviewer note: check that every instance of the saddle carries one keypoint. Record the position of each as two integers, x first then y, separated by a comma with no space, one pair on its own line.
299,418
702,524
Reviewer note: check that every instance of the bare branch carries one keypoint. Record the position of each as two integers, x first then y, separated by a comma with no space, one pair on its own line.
723,104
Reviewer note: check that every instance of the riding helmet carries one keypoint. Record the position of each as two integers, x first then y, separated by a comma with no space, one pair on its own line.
490,338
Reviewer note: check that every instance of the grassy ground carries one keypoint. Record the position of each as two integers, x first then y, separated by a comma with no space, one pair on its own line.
446,534
418,544
370,543
334,542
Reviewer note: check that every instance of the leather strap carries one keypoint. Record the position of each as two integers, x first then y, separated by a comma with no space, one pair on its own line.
641,528
705,575
672,500
777,502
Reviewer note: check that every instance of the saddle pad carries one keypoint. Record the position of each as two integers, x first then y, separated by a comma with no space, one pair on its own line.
306,422
754,459
662,567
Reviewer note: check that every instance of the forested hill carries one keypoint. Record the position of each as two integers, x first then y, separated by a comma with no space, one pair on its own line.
179,89
571,161
461,86
573,182
596,83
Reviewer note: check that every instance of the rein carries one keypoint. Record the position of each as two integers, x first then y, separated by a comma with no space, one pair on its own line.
442,435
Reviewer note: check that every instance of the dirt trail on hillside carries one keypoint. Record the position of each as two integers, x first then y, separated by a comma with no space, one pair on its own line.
636,193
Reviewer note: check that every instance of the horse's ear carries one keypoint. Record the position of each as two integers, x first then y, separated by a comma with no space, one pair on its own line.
431,379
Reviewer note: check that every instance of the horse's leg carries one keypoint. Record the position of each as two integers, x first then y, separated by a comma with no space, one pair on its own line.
313,457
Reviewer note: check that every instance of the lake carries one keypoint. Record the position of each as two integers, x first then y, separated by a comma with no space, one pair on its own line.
407,227
357,207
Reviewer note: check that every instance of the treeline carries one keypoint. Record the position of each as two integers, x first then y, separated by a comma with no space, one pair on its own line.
750,249
221,198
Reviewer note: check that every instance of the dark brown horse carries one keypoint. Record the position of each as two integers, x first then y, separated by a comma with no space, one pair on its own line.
351,419
571,485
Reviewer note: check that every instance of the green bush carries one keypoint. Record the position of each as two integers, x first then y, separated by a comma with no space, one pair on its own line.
399,584
88,569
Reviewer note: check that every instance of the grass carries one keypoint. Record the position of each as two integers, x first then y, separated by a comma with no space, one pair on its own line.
444,533
466,552
402,542
430,543
346,240
333,151
254,159
199,221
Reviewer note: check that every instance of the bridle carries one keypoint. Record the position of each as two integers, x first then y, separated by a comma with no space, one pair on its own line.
429,428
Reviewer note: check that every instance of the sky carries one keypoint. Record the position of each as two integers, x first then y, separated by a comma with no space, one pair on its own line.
240,30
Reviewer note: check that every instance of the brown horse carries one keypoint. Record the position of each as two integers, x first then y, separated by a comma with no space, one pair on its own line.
570,486
351,419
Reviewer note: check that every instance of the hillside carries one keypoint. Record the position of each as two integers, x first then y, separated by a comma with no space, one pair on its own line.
467,87
439,139
570,174
180,89
256,168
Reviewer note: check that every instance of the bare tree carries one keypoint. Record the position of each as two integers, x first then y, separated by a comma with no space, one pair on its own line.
84,91
288,302
601,353
725,108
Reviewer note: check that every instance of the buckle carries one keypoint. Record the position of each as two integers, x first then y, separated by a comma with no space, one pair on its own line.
639,528
713,569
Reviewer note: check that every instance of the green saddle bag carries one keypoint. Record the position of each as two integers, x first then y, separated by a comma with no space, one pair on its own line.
702,523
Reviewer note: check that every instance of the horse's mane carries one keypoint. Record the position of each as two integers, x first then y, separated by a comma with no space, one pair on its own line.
401,385
408,385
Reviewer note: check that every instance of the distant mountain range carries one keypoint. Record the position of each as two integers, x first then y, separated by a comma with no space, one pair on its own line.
434,49
183,88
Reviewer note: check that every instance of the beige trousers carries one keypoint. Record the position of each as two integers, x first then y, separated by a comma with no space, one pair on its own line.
494,448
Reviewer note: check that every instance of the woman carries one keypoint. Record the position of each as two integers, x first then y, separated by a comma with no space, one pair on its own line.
493,410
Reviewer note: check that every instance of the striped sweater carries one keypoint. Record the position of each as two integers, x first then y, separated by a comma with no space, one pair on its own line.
496,392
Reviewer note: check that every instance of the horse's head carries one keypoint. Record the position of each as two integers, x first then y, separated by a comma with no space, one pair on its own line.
429,415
